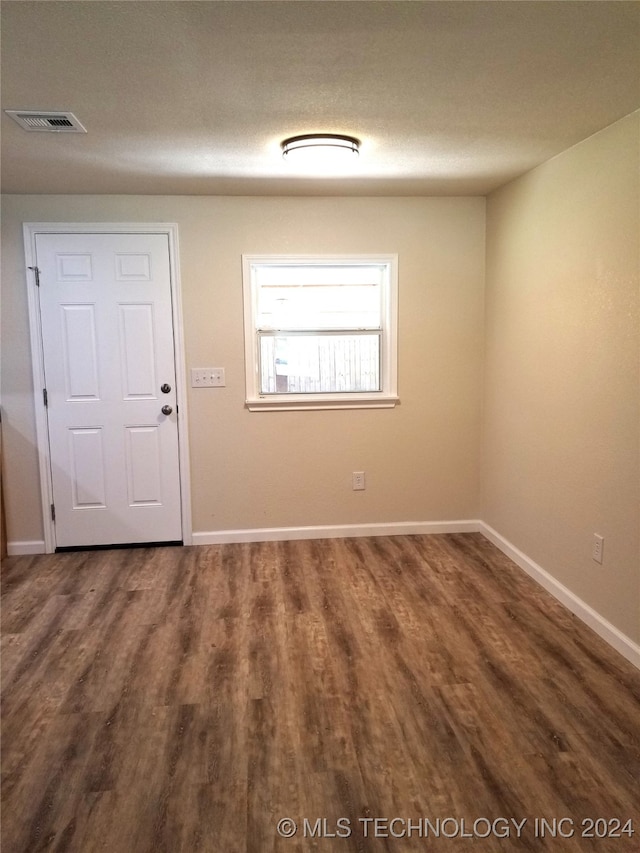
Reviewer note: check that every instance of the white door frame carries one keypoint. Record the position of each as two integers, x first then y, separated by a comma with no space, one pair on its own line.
30,230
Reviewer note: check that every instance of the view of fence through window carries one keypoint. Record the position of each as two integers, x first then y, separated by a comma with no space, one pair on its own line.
317,364
319,328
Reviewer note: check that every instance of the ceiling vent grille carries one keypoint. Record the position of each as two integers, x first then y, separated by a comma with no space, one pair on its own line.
51,122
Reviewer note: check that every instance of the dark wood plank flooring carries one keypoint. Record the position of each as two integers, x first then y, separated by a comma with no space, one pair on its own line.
187,699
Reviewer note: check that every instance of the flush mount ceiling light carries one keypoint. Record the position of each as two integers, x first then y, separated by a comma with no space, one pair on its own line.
321,151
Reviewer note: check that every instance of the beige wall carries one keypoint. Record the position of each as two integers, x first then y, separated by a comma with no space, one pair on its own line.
268,469
561,412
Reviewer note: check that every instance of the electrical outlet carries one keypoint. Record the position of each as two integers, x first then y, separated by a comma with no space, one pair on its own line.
357,481
597,548
207,377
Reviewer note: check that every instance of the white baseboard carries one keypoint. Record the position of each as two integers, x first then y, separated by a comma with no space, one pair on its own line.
620,642
340,531
21,549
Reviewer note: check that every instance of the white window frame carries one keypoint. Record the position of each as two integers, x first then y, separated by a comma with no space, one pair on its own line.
386,398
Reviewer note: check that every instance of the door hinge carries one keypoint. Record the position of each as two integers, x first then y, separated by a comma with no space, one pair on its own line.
45,397
53,512
37,275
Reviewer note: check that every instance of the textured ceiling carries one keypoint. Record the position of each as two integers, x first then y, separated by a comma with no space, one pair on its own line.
195,97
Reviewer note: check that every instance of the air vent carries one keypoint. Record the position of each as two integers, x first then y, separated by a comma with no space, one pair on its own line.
52,122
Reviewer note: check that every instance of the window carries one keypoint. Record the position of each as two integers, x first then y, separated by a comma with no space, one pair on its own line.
320,332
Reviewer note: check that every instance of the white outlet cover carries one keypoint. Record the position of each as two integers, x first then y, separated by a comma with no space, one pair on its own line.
597,551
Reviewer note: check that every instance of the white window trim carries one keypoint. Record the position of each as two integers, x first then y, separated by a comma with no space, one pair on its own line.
387,398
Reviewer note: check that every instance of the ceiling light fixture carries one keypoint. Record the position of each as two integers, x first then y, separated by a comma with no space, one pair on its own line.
324,151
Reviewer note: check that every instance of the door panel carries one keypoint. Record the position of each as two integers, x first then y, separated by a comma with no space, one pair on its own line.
144,466
86,457
107,334
133,267
74,268
137,354
80,357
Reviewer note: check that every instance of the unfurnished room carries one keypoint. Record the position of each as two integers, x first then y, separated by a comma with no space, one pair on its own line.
320,426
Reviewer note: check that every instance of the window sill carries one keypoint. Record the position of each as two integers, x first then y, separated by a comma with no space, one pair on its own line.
282,404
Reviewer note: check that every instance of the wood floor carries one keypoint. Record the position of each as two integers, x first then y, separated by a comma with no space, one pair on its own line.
188,699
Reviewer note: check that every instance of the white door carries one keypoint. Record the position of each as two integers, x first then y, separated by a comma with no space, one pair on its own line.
109,366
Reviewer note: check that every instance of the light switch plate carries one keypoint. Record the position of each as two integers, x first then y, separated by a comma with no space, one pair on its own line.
207,377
